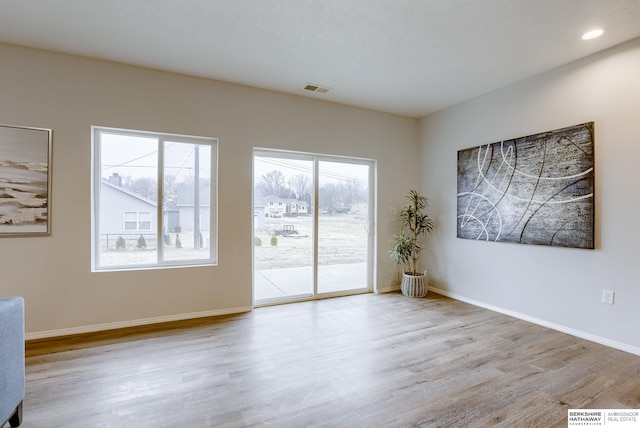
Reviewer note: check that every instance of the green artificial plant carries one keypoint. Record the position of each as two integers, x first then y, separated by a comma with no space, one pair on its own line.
415,224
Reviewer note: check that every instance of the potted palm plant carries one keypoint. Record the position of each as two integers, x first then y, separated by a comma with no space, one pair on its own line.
415,224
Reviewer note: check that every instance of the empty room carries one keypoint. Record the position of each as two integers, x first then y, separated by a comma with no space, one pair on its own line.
319,213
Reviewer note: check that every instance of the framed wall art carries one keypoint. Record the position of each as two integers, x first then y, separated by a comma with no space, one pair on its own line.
25,181
536,190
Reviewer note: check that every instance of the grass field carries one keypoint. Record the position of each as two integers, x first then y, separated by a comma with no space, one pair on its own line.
342,239
132,255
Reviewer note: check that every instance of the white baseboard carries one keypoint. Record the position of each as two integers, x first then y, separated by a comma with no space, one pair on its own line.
134,323
544,323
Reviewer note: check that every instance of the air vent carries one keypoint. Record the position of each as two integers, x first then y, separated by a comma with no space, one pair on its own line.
316,88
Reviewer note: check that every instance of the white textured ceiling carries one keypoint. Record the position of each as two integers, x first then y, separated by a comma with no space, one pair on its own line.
409,57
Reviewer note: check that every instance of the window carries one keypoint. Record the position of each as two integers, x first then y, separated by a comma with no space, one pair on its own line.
137,220
154,199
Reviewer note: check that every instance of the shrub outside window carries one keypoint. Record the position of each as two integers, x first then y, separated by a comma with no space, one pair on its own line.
154,199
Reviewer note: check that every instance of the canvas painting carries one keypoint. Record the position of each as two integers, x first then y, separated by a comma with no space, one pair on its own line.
535,190
25,181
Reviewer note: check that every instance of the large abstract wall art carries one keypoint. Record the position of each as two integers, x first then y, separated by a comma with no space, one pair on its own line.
531,190
25,181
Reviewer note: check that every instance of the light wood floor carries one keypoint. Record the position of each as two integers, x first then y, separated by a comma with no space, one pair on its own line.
360,361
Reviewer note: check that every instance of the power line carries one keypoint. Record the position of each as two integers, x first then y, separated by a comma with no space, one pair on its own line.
132,160
322,173
126,164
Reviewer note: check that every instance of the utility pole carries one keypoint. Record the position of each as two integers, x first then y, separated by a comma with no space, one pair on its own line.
197,236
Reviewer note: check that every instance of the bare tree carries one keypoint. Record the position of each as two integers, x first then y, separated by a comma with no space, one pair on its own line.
143,186
273,183
170,189
329,197
300,185
352,191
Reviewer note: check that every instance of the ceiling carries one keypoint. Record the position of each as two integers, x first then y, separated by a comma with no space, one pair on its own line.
408,57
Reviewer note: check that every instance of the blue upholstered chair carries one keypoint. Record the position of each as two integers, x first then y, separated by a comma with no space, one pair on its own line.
12,375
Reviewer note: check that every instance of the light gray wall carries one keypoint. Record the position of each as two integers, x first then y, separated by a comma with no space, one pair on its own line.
557,286
70,94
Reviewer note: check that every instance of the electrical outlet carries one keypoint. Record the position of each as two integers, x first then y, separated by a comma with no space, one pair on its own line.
608,296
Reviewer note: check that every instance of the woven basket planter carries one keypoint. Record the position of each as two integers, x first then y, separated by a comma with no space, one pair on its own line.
414,285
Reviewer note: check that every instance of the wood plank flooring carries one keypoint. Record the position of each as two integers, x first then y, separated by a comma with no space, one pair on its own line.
360,361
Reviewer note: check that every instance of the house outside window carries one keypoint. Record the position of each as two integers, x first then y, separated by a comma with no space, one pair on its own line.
154,200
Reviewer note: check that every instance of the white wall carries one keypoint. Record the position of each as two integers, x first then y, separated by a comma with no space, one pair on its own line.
556,286
70,94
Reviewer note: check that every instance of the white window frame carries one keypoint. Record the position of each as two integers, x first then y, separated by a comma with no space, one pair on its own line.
96,133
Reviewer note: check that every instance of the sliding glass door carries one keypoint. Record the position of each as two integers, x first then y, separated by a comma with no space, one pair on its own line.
312,226
283,255
343,226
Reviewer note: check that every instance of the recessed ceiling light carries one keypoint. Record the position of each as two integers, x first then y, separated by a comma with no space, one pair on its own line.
593,34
